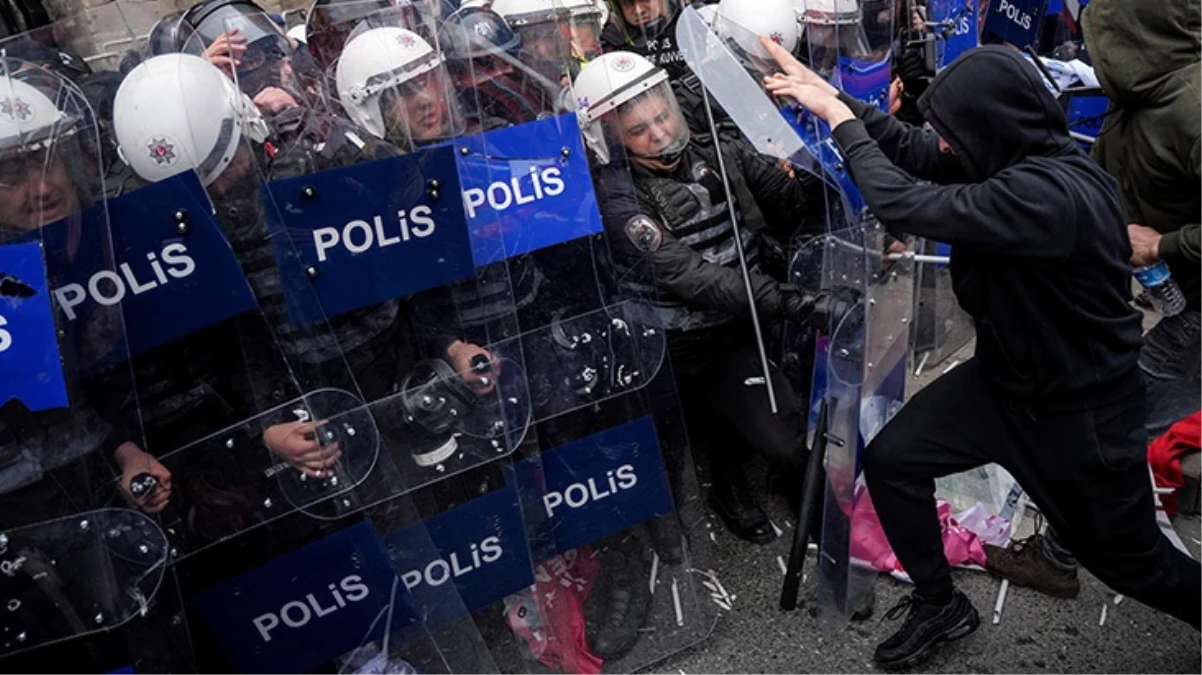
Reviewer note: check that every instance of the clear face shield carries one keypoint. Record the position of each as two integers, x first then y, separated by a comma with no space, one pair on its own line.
422,110
586,27
546,45
44,174
829,40
650,125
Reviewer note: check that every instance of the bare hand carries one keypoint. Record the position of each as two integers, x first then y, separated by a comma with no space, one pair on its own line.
822,101
226,51
134,461
794,68
895,95
1145,245
273,99
297,444
460,356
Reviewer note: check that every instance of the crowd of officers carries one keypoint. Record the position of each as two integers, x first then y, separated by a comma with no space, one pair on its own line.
223,90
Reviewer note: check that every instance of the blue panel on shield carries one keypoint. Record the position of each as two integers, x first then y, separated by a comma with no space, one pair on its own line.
866,80
1016,22
305,608
30,368
961,35
357,236
481,552
601,484
526,188
1086,113
177,280
169,282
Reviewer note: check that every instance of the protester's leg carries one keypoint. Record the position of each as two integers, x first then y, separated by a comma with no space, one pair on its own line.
1088,473
1172,363
943,430
952,425
1056,553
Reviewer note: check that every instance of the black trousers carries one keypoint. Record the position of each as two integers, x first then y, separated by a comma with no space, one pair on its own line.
717,390
1087,471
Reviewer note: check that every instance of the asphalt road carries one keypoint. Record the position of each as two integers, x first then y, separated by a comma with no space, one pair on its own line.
1036,633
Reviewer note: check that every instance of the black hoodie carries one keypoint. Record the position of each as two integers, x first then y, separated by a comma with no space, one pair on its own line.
1039,238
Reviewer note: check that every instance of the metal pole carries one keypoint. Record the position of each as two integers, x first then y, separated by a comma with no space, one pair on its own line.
734,223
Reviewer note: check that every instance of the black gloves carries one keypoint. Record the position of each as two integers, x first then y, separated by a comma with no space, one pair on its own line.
823,310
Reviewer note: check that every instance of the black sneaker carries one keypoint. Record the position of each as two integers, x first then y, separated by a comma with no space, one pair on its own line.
926,626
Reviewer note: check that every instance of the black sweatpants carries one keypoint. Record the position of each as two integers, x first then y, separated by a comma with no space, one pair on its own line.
1087,471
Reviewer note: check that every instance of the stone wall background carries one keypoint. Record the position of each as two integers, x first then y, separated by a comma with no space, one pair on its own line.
102,31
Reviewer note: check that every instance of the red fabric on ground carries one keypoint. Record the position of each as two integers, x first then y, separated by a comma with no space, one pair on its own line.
1165,453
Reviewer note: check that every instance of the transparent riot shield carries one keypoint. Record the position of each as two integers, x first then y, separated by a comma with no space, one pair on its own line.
866,355
860,358
72,569
271,576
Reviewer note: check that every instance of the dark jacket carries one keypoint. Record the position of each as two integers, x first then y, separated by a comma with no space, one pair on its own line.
765,197
1040,250
1146,58
657,43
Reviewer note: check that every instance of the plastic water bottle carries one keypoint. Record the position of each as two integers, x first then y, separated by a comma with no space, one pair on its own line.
1160,289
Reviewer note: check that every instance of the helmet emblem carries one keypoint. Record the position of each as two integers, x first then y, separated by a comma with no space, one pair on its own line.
161,151
15,109
623,64
483,30
776,37
406,41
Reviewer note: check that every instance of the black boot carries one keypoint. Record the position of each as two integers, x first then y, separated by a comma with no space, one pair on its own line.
927,625
619,603
667,538
731,498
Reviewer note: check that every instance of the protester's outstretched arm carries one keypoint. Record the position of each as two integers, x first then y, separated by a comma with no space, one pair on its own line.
1013,213
911,148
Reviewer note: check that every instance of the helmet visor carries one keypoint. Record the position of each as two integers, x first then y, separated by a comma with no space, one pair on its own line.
650,125
422,110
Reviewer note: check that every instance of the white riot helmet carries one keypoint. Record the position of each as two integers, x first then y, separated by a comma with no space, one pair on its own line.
394,84
742,22
29,120
829,12
622,96
708,12
177,112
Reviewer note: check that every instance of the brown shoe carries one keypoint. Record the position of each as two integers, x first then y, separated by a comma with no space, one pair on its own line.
1024,564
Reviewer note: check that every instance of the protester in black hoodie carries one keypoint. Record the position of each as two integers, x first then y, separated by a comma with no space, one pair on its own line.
1054,395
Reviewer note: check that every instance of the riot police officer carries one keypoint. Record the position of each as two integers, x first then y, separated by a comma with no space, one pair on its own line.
675,213
483,55
647,28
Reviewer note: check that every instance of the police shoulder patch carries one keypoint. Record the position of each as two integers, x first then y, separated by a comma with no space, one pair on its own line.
644,233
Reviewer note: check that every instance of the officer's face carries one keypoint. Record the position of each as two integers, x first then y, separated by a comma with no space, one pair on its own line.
643,12
35,191
648,126
421,111
586,39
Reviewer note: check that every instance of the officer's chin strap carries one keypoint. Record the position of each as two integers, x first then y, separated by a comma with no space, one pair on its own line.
734,223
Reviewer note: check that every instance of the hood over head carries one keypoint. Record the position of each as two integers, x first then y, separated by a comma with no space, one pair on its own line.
992,107
1138,45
